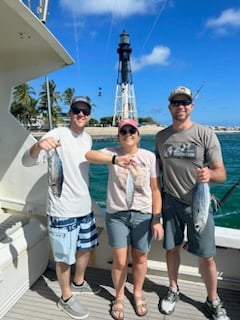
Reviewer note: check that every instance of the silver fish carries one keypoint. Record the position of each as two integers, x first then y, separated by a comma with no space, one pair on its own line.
201,200
129,189
55,174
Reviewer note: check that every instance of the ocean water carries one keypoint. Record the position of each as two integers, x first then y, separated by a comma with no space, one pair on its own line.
227,216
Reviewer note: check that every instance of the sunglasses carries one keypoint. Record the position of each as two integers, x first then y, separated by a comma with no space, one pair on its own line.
123,132
177,103
86,112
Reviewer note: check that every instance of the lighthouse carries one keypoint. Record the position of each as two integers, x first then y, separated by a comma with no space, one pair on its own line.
125,101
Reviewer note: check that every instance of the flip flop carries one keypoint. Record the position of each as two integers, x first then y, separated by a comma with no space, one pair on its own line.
140,306
117,312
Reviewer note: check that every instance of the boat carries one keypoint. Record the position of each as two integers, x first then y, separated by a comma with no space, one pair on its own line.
28,286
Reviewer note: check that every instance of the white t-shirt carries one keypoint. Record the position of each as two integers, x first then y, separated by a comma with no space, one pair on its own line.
145,169
75,200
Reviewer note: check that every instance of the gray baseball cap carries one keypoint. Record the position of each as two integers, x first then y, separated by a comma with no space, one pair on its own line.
80,99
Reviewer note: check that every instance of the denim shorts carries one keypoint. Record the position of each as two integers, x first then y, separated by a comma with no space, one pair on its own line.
177,215
69,235
129,228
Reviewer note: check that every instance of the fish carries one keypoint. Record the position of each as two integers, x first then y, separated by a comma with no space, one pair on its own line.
129,189
201,200
55,173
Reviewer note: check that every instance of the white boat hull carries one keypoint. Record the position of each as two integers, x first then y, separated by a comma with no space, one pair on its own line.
24,252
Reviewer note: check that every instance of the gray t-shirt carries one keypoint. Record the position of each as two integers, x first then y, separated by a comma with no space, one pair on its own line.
180,153
145,169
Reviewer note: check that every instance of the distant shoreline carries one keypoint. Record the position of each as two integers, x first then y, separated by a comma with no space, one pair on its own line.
101,132
144,130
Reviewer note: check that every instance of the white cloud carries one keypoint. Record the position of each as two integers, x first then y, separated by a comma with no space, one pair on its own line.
158,56
122,8
229,18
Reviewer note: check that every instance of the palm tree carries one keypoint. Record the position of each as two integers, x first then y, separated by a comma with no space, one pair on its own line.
24,105
67,96
54,97
26,109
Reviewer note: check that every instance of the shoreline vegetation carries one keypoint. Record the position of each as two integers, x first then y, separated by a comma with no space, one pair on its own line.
100,133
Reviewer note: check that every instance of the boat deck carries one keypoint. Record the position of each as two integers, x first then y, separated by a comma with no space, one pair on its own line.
39,302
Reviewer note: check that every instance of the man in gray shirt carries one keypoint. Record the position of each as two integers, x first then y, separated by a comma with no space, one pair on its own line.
188,153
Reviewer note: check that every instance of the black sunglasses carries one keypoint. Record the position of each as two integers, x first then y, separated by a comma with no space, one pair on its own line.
86,112
177,103
123,132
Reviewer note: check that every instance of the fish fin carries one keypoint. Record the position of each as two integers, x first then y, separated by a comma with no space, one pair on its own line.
216,203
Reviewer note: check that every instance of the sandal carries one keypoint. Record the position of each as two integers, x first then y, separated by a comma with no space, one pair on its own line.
117,312
140,306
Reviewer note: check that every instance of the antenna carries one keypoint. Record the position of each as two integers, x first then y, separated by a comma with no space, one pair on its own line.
198,90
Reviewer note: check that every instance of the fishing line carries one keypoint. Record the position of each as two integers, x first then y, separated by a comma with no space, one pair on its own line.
154,24
109,33
76,42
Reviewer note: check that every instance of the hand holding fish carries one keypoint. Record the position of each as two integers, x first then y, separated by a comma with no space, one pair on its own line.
48,144
203,175
125,161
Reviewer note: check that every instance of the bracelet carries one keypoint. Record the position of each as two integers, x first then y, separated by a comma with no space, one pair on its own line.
156,217
114,159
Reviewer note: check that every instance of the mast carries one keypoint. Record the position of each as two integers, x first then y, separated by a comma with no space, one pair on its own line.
125,101
43,11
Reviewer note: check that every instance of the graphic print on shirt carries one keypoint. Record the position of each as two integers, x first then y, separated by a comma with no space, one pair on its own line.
181,150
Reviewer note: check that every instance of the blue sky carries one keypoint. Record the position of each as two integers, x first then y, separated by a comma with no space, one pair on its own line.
174,42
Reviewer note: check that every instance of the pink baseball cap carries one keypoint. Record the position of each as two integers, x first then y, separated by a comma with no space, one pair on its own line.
127,122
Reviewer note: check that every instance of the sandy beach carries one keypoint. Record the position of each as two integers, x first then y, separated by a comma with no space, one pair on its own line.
112,131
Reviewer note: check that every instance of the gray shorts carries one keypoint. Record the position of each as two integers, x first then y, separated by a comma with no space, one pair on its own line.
129,228
69,235
177,215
